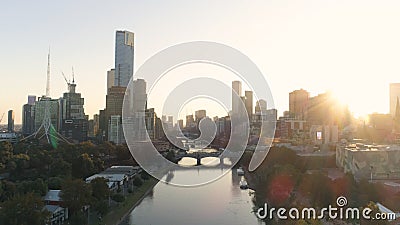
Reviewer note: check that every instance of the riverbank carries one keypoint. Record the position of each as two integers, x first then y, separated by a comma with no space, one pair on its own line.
119,213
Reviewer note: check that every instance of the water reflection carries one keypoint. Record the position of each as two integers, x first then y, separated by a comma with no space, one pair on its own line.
221,202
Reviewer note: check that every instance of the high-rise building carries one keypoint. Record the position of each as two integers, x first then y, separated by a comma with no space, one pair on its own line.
139,95
151,119
124,56
114,102
236,88
180,124
199,114
115,133
110,78
74,124
28,117
298,103
53,108
249,103
11,117
103,125
394,94
96,124
31,99
190,121
261,106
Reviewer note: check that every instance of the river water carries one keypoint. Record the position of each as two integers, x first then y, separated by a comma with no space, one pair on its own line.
221,202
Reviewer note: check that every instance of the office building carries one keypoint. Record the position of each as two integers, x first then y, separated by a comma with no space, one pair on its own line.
124,56
115,132
180,124
114,102
190,121
53,106
236,88
74,123
199,114
248,103
31,99
394,94
139,95
261,106
110,78
298,103
28,118
11,118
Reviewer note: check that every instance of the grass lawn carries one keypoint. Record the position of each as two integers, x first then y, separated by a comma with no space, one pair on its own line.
117,212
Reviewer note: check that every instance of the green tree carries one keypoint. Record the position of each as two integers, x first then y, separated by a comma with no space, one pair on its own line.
101,207
54,183
137,181
77,219
75,194
9,190
61,168
83,166
100,189
6,152
24,210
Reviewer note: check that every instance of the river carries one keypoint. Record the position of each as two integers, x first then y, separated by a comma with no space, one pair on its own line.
221,202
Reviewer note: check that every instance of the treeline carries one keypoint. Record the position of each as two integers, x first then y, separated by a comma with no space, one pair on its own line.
29,170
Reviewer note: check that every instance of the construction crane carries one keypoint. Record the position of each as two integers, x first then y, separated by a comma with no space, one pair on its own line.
65,78
2,116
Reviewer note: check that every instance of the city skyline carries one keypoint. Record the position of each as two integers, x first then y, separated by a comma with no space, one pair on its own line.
290,40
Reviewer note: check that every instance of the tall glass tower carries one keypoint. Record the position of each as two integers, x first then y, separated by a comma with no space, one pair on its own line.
124,49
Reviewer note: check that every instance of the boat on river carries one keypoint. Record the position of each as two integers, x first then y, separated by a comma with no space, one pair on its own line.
243,184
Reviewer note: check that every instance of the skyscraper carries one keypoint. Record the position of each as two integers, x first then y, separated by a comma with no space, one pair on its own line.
394,94
261,106
298,103
249,103
114,102
28,116
74,124
40,111
198,115
110,78
236,88
124,49
11,121
139,95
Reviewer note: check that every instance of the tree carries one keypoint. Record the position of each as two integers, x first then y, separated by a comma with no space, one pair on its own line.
9,190
137,181
24,209
54,183
83,166
100,189
77,219
6,152
60,168
75,194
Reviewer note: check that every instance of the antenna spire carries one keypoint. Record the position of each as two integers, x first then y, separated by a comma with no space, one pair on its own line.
48,75
73,76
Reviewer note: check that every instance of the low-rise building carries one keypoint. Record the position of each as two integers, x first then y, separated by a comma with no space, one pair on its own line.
369,161
53,204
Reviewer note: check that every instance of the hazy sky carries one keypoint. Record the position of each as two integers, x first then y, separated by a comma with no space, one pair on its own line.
349,47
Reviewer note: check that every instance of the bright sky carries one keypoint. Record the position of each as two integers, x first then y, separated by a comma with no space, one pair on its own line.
349,47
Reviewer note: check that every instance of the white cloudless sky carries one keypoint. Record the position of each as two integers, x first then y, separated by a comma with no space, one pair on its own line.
349,47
